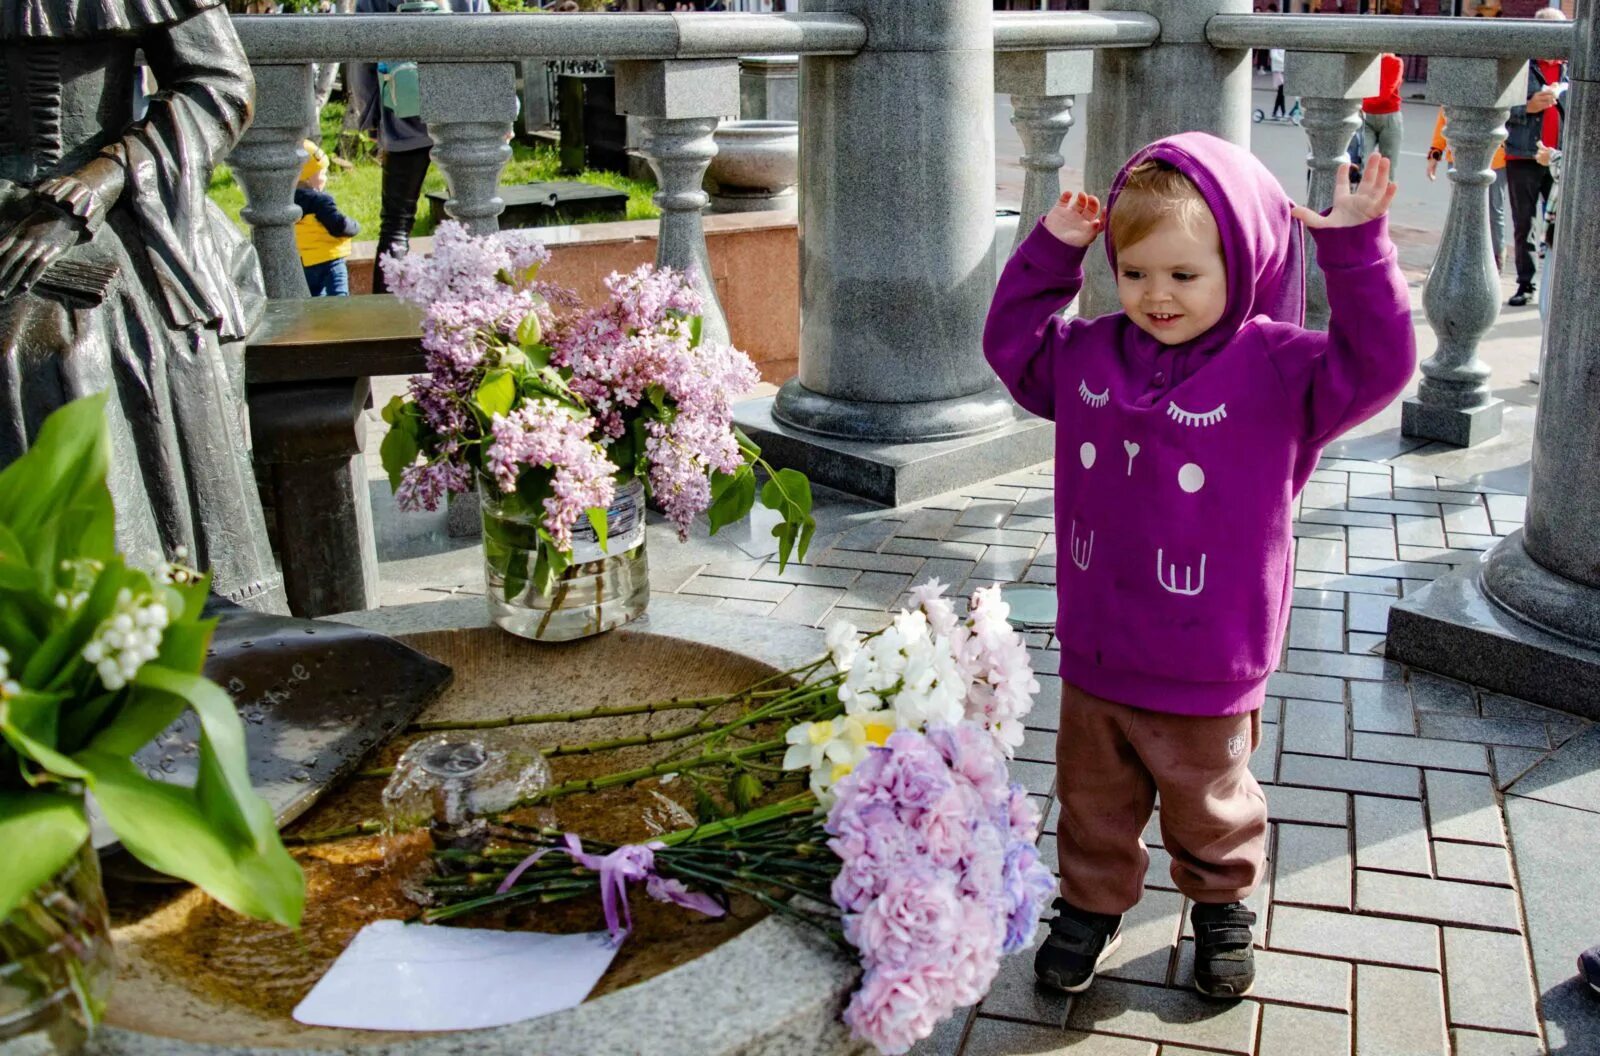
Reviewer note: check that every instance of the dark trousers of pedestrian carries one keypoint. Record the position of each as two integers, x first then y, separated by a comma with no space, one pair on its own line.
1528,182
1278,106
331,278
403,173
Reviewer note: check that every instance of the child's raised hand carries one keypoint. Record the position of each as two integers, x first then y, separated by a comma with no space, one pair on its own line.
1353,208
1075,219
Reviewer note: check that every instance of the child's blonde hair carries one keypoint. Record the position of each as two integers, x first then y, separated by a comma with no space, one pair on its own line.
1155,191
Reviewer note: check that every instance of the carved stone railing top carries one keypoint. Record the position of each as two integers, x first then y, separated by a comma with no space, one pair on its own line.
1475,38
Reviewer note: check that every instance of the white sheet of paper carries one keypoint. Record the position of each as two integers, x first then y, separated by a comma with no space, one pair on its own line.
398,976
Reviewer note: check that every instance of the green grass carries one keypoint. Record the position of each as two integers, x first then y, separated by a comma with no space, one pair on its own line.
357,190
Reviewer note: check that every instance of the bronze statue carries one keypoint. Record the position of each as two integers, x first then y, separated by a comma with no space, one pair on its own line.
117,272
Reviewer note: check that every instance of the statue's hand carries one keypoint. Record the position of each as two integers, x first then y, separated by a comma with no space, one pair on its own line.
33,244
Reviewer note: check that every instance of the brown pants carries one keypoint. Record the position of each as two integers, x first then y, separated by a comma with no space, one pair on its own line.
1111,760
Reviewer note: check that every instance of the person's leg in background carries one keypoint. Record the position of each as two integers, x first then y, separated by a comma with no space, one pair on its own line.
403,173
1389,132
1497,219
1279,108
1528,181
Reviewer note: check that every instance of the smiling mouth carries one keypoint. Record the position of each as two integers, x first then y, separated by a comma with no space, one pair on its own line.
1162,318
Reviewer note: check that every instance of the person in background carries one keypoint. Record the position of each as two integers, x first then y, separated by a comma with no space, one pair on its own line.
1276,58
1527,128
323,233
1439,151
1381,119
403,142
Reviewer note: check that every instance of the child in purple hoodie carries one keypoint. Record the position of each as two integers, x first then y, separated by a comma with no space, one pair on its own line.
1185,425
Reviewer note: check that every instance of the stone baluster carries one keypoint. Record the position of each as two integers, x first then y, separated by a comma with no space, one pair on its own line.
1331,88
1462,294
1179,84
1041,85
469,108
267,162
678,105
1526,621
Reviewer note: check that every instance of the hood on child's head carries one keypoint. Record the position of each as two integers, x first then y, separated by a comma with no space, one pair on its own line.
1261,241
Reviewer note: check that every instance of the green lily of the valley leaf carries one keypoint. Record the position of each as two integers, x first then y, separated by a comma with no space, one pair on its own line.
40,831
497,393
733,495
788,493
597,521
65,468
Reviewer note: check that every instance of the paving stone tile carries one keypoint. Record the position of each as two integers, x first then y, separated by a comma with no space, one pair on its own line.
1463,807
1352,937
865,620
946,1037
1318,599
999,564
1421,751
1507,507
1316,629
1433,693
927,524
1350,775
1396,506
1046,554
1341,665
1483,1043
1444,496
1564,727
904,547
996,537
1391,834
1473,520
1472,861
1272,710
1348,517
1314,727
1306,687
1351,465
746,608
1037,502
1319,555
1445,901
1317,981
1332,476
1419,531
1288,1031
875,590
1438,555
1514,732
1005,488
1306,805
986,513
904,564
1489,981
1369,612
1159,876
1364,643
949,571
996,1037
1376,543
1264,760
1399,1013
749,590
808,605
1044,661
867,536
1324,495
1037,573
1152,830
1307,530
1348,584
1381,707
1464,541
1569,777
1312,866
804,575
1512,763
1037,746
1035,777
1371,486
1149,932
1020,523
1160,1014
737,568
1015,994
1403,570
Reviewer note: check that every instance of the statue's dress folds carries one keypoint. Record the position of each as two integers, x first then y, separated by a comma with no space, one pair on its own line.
187,286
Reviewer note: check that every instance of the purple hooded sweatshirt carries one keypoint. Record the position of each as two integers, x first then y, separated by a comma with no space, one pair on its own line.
1176,466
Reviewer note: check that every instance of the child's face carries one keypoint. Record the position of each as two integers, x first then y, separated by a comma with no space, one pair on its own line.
317,181
1173,283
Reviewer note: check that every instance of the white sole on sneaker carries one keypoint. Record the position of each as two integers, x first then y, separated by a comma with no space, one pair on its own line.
1111,947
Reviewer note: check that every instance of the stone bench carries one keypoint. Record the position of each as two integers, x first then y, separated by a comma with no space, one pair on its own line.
548,204
308,370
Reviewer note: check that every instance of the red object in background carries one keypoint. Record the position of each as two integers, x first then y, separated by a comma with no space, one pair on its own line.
1555,72
1387,101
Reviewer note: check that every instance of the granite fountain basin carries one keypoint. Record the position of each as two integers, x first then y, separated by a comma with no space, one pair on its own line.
194,979
756,166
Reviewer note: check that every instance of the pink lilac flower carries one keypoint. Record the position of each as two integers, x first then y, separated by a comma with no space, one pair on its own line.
424,487
544,433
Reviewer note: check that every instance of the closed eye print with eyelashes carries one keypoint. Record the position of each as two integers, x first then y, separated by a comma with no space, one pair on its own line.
1197,421
1094,399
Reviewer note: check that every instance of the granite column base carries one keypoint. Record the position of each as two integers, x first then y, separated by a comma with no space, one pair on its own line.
1461,426
1456,627
896,473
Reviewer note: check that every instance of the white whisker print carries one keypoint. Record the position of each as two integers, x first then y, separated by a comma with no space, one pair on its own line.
1168,576
1094,399
1082,549
1183,417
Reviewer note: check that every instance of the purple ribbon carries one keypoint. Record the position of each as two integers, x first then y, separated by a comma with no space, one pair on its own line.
629,863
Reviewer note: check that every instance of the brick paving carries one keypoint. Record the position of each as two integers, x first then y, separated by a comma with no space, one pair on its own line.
1390,919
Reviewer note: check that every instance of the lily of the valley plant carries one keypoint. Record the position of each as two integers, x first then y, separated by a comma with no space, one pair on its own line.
551,407
96,659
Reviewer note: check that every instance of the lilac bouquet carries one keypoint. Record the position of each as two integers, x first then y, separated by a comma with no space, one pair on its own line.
551,408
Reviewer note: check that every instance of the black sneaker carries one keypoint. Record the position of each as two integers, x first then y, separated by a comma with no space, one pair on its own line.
1521,298
1224,963
1078,942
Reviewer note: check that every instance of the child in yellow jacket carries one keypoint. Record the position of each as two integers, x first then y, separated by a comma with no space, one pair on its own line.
323,234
